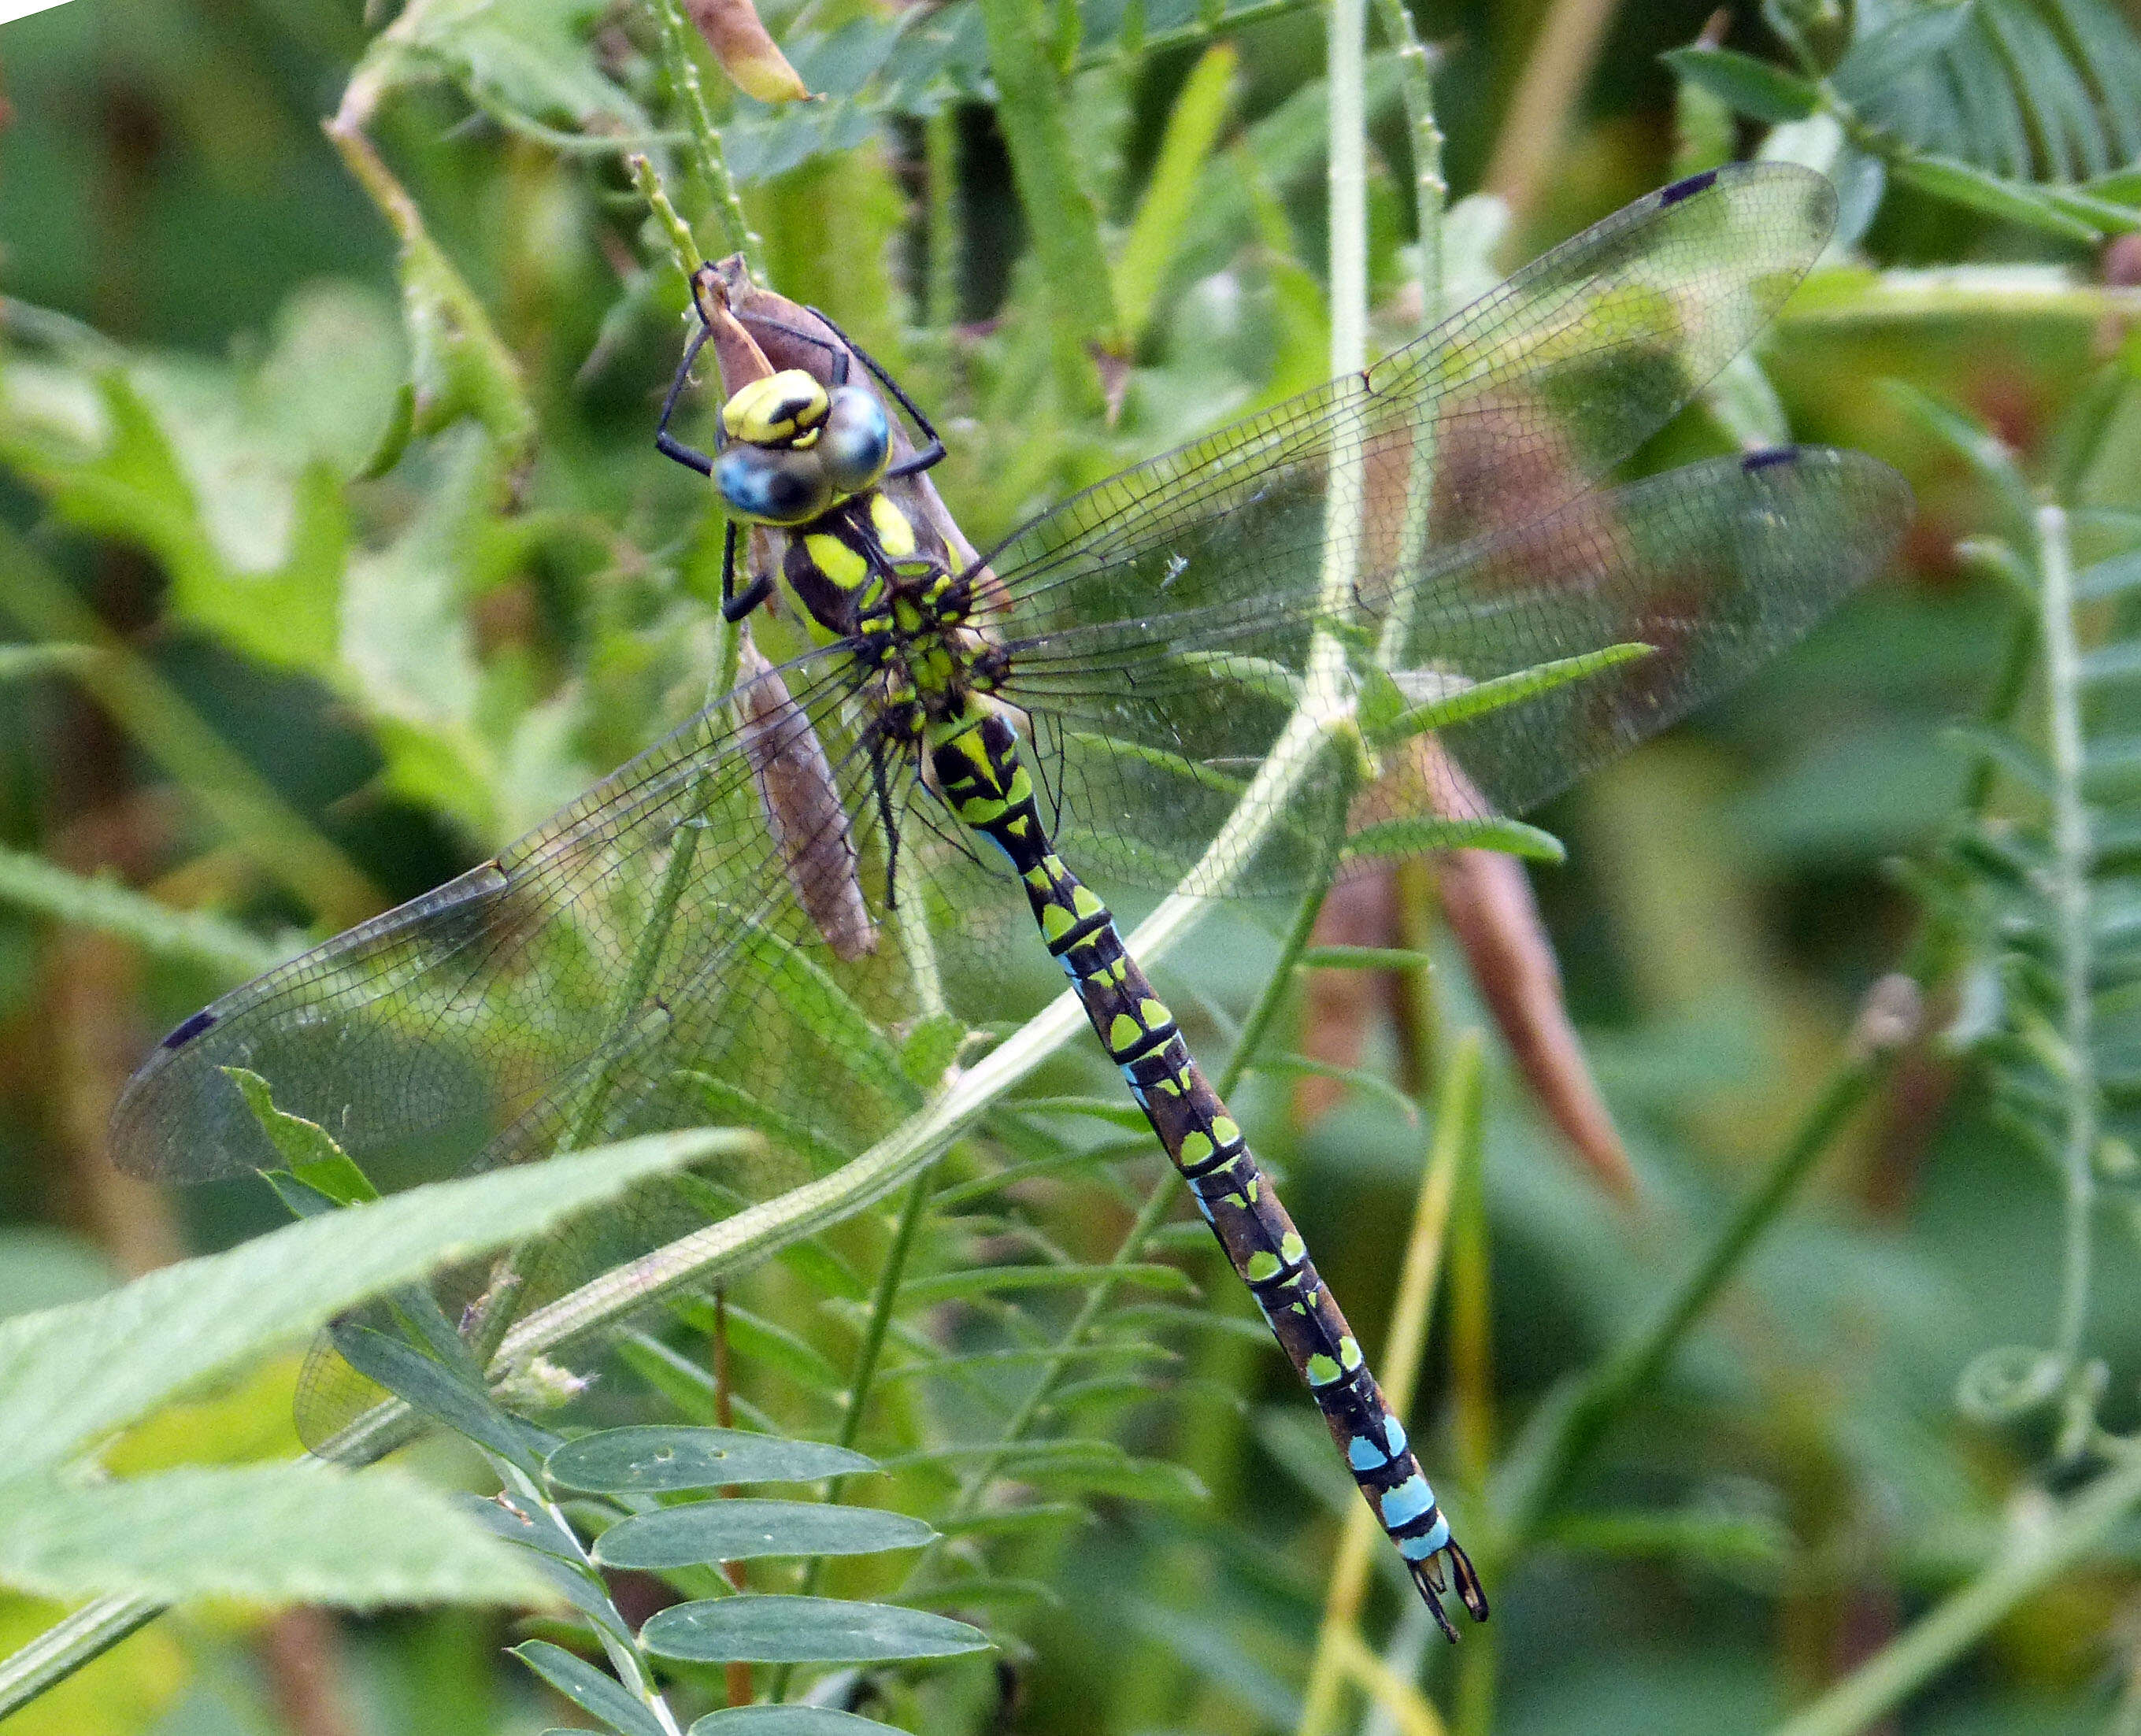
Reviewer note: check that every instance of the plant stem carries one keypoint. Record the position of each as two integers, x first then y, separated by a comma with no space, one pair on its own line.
68,1643
683,245
2073,857
1536,125
273,834
1455,1146
878,1324
2027,1562
1542,1474
1430,192
736,233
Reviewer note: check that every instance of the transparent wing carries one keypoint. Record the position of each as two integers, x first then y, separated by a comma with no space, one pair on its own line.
1150,731
1158,625
1517,403
675,918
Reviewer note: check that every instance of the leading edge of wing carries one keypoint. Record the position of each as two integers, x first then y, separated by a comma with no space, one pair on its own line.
1722,250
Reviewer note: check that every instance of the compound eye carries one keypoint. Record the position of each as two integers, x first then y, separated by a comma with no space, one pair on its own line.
770,485
856,444
774,410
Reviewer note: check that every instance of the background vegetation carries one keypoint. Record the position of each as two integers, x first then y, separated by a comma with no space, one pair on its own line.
334,553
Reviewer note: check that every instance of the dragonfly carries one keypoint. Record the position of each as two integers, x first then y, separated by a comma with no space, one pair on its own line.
1377,617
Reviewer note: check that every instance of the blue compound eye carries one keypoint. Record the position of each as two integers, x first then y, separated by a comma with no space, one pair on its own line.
771,486
855,443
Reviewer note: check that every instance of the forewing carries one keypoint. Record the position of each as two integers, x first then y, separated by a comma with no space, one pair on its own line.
1519,402
1156,624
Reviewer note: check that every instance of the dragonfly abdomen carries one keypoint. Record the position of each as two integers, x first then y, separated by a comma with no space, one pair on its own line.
976,757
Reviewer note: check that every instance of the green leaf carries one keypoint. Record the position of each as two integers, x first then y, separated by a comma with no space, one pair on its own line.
253,535
930,1048
459,366
756,1628
787,1721
1753,87
1365,958
95,901
279,1533
993,1280
440,1392
1160,225
589,1689
71,1375
1899,47
1101,1467
526,55
1031,110
1419,835
16,660
309,1149
735,1530
1461,699
657,1460
2115,576
2012,201
1983,451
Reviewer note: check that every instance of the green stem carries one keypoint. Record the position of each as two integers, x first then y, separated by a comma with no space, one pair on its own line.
2072,854
151,711
1033,111
191,936
1430,191
2029,1561
683,70
634,1673
683,245
874,1329
68,1643
1541,1476
1348,82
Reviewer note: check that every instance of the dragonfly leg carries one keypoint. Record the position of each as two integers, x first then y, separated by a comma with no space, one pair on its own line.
736,606
665,443
921,461
891,828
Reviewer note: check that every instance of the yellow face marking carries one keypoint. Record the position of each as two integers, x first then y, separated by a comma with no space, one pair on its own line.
770,412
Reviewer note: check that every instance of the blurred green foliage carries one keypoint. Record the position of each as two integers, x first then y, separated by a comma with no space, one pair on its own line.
334,553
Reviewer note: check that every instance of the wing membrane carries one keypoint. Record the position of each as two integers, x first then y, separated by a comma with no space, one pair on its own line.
1523,401
545,997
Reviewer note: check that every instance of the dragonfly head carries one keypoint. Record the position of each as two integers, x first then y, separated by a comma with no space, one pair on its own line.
795,447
